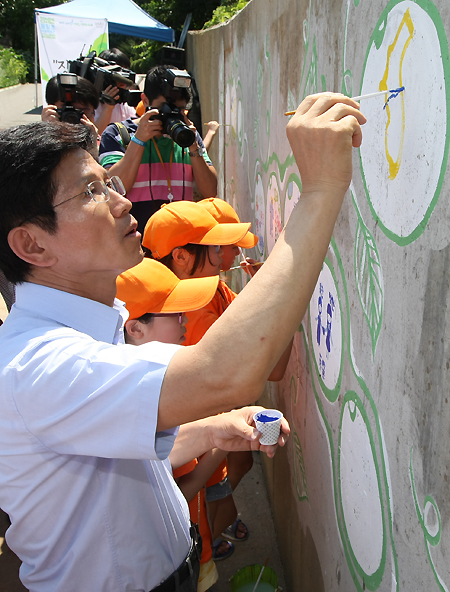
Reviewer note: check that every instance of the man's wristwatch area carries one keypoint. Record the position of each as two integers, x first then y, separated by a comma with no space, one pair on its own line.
194,153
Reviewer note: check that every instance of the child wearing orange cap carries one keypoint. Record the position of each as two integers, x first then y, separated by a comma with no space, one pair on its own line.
154,297
224,213
177,235
164,234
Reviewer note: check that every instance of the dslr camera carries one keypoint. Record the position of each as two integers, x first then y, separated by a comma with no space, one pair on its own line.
67,84
103,74
173,118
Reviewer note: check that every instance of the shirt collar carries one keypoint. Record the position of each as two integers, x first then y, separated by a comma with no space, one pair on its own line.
101,322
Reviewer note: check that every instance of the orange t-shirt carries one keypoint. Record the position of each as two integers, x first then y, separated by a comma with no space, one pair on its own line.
198,322
197,511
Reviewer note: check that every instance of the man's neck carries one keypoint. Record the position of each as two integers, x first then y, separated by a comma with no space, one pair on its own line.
100,290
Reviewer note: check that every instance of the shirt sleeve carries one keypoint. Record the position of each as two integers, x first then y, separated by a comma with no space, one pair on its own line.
111,148
201,147
79,396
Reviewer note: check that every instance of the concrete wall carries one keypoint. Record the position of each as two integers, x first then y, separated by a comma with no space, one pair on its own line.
361,492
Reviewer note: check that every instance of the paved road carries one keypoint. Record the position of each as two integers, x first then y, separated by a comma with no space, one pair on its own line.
17,105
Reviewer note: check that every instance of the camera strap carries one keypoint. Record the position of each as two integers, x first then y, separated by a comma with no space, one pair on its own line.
124,134
169,174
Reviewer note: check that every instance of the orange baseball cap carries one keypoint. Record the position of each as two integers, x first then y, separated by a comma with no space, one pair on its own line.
183,222
221,211
150,286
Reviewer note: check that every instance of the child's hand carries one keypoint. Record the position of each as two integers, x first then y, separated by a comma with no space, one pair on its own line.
250,266
213,126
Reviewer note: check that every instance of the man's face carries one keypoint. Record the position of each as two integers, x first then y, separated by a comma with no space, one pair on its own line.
93,240
158,102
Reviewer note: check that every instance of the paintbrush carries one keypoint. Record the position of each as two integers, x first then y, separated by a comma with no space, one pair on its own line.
245,260
248,263
260,574
395,91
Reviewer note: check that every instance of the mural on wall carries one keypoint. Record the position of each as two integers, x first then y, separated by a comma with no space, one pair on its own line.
408,38
398,179
361,479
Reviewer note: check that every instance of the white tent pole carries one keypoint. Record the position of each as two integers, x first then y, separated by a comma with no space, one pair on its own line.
35,64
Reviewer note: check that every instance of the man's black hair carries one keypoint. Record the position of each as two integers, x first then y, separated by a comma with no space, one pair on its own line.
86,93
116,56
156,85
29,155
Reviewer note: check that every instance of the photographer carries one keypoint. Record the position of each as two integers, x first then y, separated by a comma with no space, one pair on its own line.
154,168
83,99
110,110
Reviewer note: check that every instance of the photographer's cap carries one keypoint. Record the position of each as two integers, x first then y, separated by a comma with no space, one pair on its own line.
224,213
150,286
183,222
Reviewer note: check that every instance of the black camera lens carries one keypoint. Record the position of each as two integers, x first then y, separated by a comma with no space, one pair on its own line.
179,132
71,117
68,114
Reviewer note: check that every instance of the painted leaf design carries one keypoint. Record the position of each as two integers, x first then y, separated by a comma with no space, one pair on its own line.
259,82
299,469
369,280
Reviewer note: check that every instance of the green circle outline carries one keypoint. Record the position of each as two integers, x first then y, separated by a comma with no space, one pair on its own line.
435,16
331,394
293,178
372,581
258,244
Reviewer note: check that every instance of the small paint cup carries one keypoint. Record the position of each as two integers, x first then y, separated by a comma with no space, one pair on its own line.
268,422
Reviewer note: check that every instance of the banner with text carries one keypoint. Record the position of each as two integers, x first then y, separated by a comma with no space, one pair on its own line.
64,38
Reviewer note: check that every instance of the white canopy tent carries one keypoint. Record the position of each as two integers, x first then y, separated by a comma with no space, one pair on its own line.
123,16
67,30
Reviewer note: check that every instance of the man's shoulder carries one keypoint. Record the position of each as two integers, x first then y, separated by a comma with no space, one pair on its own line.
112,139
130,124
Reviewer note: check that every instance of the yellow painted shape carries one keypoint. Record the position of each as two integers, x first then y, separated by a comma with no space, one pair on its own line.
394,165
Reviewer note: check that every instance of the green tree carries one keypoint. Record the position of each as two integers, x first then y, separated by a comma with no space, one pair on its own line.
13,68
17,23
172,13
17,28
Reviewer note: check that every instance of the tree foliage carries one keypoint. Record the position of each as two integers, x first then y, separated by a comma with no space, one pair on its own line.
13,68
172,13
17,23
224,12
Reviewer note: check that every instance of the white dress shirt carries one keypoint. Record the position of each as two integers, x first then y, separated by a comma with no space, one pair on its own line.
84,476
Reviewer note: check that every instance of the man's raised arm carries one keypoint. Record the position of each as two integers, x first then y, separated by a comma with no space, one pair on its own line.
231,363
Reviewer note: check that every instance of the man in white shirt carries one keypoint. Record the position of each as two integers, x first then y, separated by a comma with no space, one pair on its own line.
87,423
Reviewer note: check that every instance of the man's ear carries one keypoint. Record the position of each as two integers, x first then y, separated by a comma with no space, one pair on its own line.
145,100
28,244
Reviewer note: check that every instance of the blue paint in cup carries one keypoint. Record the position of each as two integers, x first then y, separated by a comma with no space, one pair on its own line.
266,418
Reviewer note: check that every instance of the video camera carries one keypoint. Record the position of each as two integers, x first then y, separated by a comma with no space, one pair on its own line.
171,116
67,84
103,74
